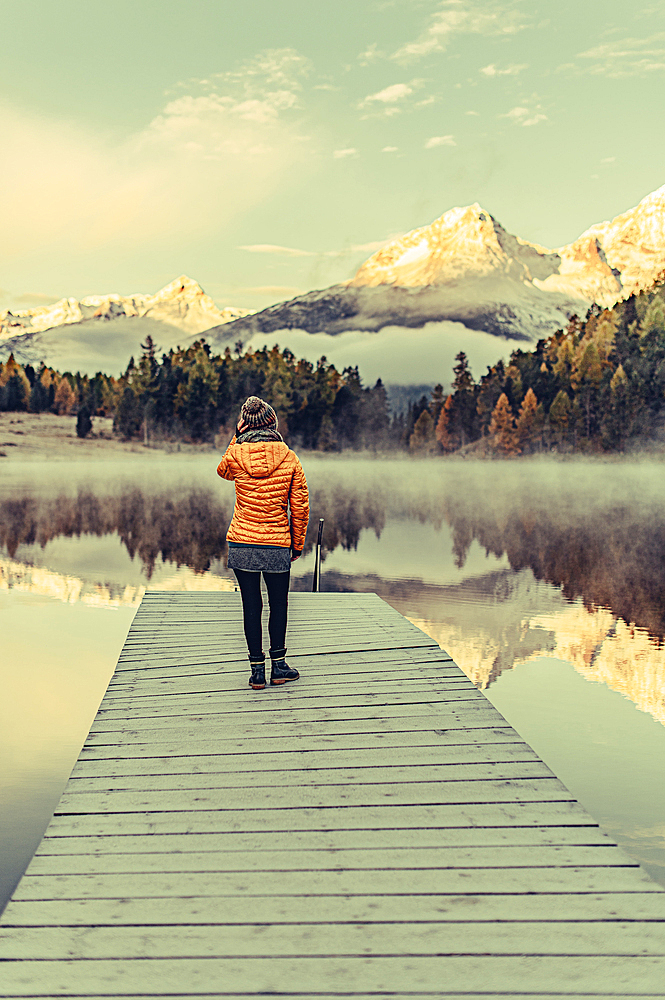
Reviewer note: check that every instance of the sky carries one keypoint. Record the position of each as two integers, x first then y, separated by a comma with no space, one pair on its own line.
265,149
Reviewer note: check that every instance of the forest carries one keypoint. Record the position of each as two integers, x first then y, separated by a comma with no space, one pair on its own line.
597,386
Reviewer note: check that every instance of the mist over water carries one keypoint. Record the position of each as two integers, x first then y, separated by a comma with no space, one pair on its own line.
537,576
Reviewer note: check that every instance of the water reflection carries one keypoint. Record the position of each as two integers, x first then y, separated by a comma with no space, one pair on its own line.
610,555
504,564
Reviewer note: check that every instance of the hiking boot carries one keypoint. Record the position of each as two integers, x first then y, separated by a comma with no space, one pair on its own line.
257,681
280,671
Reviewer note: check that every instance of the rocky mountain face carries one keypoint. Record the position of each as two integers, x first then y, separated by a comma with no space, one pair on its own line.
181,303
465,267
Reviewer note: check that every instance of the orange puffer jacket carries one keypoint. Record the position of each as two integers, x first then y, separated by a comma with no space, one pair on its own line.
268,479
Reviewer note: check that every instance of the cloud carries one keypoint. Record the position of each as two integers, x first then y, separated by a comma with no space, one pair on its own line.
370,55
395,92
625,57
277,291
511,70
524,117
273,248
398,355
208,155
354,248
476,114
390,149
608,159
391,100
460,17
440,140
344,154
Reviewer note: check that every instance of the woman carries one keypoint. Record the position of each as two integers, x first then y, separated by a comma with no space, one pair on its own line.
269,480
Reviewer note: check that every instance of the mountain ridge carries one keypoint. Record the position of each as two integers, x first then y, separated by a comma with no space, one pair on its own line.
466,267
182,303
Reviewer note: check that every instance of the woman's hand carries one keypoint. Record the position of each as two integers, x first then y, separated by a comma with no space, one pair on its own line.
295,555
241,426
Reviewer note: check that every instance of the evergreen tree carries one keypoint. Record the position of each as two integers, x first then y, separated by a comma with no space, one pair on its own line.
527,427
559,415
39,397
465,392
83,422
502,428
128,416
65,397
445,432
377,420
423,439
16,394
436,403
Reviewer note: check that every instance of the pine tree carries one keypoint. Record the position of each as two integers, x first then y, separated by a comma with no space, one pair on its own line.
559,415
16,393
128,415
527,427
465,392
422,439
39,397
445,434
585,378
83,422
654,317
436,403
502,428
65,397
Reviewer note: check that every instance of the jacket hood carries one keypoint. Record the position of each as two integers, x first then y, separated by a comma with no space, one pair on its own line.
259,459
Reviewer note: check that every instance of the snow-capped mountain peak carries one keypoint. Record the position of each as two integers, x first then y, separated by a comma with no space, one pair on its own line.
181,303
634,242
469,244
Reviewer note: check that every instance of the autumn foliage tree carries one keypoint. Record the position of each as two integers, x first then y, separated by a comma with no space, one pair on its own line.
502,432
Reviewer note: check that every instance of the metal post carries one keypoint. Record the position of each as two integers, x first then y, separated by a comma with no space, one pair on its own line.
316,579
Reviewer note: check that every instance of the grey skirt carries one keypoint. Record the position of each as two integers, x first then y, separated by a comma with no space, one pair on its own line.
259,558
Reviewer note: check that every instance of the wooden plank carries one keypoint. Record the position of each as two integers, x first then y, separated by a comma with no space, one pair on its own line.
330,840
367,817
359,859
458,881
600,975
255,780
255,743
360,656
324,940
478,913
228,683
187,731
441,756
545,789
362,996
251,776
183,705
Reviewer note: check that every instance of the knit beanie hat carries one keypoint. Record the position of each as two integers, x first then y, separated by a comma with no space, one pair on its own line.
257,414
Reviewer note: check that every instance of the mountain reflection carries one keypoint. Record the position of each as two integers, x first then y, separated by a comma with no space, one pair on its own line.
608,556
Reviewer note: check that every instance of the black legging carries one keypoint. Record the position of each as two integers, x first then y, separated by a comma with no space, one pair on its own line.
252,606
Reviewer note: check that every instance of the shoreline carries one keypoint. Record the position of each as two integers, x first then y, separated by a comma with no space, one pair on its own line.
48,437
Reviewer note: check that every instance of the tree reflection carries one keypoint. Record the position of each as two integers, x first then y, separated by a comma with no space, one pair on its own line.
610,555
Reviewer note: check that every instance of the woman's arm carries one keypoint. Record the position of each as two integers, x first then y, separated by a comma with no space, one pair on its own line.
223,469
299,504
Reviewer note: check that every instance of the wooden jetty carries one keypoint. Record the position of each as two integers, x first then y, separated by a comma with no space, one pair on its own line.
375,829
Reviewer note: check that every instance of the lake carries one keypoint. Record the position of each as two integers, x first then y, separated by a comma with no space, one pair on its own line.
544,580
